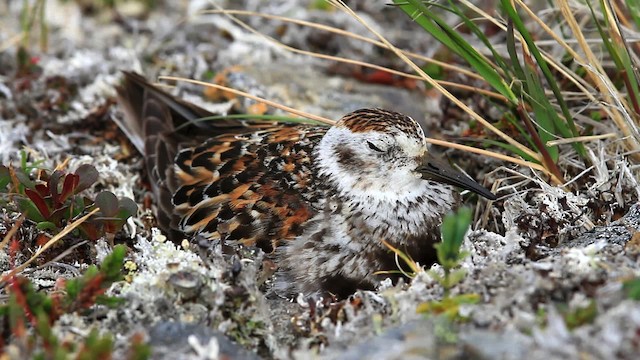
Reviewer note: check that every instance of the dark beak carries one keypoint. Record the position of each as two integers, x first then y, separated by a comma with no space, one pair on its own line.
432,169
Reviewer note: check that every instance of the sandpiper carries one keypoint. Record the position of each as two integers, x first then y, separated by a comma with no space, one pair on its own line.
320,200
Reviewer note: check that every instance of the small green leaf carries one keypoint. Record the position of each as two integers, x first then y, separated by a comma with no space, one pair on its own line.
109,301
24,179
5,177
39,203
454,227
88,176
74,286
435,71
578,316
632,289
43,328
24,157
449,307
127,208
108,203
112,264
46,225
456,276
96,347
139,350
27,207
435,276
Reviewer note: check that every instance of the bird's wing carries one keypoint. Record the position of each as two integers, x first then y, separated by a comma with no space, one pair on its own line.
249,182
256,188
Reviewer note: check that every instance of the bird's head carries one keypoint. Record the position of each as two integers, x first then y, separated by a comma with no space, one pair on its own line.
384,152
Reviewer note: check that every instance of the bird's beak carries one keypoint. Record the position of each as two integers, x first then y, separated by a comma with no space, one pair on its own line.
432,169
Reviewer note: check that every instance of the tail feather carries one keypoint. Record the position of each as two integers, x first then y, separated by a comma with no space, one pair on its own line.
130,98
140,99
159,125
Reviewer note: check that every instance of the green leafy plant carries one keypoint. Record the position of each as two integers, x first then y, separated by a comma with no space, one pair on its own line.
57,198
35,309
580,315
450,256
454,227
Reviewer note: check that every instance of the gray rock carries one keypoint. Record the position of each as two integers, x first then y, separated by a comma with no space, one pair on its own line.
170,340
618,232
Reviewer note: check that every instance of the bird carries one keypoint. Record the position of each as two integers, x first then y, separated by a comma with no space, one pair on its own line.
321,201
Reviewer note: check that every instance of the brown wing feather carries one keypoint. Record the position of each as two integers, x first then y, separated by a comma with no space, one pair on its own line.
248,188
251,182
159,125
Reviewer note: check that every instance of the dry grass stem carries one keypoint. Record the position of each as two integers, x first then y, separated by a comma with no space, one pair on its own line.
430,80
494,155
603,83
345,33
581,139
67,229
11,42
252,97
412,264
63,164
580,83
568,74
355,62
12,231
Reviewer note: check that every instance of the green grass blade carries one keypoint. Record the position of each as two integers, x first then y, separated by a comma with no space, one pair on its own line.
546,117
566,128
511,148
634,10
536,97
513,53
619,52
450,38
482,37
517,123
252,117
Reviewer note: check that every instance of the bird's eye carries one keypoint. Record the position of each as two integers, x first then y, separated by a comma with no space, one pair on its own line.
372,146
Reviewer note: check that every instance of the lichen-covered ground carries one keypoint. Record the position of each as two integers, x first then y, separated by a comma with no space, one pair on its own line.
547,266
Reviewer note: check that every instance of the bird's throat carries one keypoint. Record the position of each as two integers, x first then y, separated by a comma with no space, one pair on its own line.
396,218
